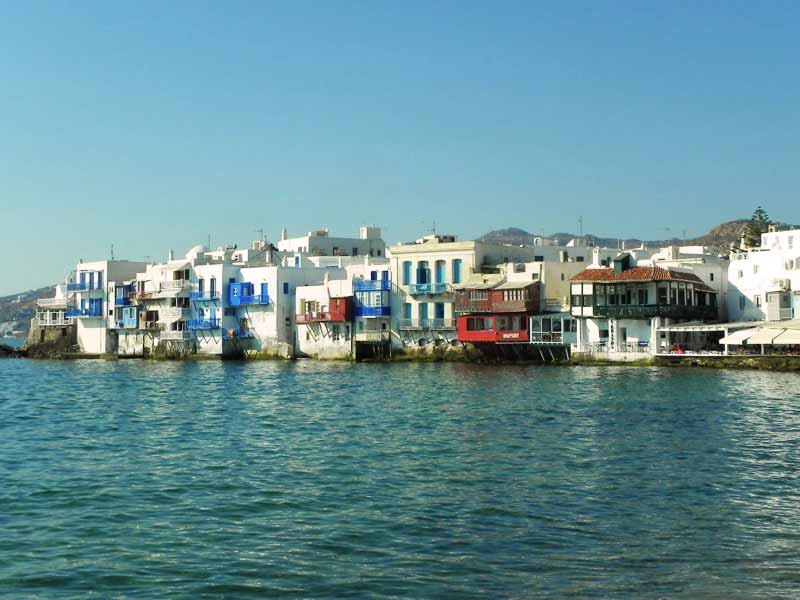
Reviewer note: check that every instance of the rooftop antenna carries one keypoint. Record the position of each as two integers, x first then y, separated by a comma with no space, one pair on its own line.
209,242
260,232
683,231
580,226
112,251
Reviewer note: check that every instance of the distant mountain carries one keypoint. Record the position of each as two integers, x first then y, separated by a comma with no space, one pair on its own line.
17,310
719,238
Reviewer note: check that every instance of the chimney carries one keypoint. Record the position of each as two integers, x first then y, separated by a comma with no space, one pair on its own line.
171,255
283,234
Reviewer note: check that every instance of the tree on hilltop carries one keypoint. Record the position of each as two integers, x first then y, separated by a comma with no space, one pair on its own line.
759,223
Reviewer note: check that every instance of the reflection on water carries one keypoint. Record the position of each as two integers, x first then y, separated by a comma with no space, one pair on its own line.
220,479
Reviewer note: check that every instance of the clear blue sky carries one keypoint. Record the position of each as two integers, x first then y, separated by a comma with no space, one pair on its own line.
152,124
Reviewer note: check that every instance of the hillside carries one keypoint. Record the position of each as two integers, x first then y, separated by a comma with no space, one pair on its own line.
718,238
17,310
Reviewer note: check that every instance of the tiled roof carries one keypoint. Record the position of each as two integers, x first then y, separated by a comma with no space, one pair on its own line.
638,274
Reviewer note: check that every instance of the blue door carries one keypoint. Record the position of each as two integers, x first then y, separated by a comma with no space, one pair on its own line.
423,313
264,292
438,310
91,281
373,276
212,313
385,276
439,271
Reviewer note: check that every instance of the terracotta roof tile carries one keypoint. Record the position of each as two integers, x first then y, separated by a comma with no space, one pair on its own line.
638,274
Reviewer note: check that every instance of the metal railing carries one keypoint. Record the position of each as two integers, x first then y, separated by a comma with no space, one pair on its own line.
372,336
646,311
427,324
174,285
81,286
604,348
125,301
172,313
53,321
204,296
199,324
372,311
84,312
372,285
417,289
237,334
254,299
320,316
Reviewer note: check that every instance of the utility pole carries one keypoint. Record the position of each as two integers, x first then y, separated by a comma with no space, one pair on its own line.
112,251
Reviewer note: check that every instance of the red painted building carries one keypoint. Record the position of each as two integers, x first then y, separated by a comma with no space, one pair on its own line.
339,310
497,313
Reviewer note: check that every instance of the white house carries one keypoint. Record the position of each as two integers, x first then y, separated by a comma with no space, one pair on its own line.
765,281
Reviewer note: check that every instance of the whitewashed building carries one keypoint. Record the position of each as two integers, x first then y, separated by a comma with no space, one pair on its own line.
765,281
621,307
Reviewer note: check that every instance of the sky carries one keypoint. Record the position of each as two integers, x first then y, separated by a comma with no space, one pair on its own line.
152,125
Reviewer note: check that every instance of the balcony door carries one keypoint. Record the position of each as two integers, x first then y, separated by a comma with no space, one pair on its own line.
440,271
423,312
423,272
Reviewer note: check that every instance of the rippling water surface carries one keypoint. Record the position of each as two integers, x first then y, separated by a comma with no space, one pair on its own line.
139,479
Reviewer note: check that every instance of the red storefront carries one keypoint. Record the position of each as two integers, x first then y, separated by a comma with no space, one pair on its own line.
497,313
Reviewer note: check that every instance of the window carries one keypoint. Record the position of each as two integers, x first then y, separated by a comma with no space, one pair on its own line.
535,276
406,272
576,300
740,274
757,300
355,251
742,302
790,242
407,310
538,259
285,287
456,270
438,310
755,268
578,259
711,276
563,277
229,311
642,296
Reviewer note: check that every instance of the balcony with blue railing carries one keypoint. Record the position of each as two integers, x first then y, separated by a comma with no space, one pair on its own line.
80,286
129,323
201,324
209,296
254,299
372,285
84,312
372,311
407,324
237,334
430,289
122,301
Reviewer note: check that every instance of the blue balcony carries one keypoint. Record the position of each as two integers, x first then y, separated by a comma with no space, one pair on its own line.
237,334
373,311
204,296
81,286
201,324
418,289
127,323
125,301
254,299
372,285
84,312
